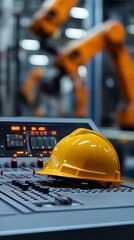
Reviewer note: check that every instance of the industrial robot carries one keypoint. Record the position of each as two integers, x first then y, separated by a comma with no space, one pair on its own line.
109,36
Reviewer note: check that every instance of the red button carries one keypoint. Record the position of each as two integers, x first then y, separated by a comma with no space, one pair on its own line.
32,164
7,164
24,164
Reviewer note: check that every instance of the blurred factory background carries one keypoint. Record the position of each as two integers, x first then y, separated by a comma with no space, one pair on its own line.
34,81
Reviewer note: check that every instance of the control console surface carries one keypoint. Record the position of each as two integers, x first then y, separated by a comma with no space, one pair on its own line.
45,207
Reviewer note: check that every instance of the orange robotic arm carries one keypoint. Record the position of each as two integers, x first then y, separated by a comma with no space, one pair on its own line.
52,14
28,87
125,72
79,52
109,36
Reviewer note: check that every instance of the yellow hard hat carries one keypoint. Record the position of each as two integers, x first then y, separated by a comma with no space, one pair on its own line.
84,154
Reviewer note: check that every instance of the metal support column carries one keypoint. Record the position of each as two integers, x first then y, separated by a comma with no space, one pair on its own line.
95,70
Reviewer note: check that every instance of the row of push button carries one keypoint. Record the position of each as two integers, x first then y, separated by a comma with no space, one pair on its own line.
14,163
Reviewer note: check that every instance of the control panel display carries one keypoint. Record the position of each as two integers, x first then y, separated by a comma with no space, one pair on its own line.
14,140
42,142
24,139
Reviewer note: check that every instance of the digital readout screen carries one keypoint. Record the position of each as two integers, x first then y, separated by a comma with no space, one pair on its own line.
42,142
14,140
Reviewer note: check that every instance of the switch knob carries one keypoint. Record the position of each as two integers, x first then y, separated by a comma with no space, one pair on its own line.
14,163
40,163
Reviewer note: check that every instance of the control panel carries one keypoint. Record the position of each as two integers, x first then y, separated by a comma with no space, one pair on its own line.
28,142
35,206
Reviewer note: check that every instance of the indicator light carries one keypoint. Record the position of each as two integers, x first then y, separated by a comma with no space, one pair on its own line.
44,152
20,152
53,132
15,128
33,128
41,128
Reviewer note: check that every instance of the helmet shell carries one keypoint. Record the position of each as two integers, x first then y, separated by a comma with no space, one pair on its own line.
84,154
